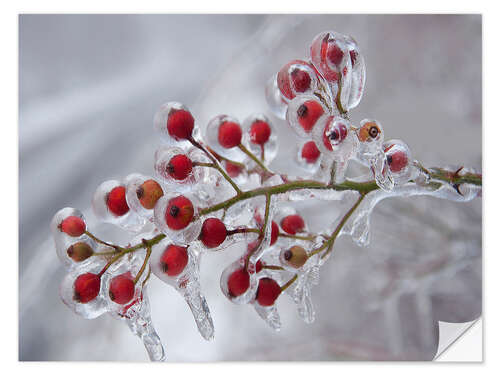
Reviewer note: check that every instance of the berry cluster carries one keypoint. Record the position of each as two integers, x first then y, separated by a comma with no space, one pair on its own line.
209,192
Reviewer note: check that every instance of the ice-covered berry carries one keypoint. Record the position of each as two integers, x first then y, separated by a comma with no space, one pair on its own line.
397,158
230,134
179,167
238,282
275,230
79,251
295,256
73,226
179,212
232,169
116,201
86,287
294,78
180,124
213,232
174,259
310,152
308,114
292,224
148,193
267,292
122,288
260,131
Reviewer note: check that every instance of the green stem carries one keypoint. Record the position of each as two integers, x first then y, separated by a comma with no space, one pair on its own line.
216,165
329,243
144,264
288,283
362,187
253,157
116,247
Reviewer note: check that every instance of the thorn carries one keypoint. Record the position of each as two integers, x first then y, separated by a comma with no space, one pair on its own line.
458,171
457,188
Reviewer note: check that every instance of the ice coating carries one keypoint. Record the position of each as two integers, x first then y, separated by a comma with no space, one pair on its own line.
275,100
161,119
138,319
187,283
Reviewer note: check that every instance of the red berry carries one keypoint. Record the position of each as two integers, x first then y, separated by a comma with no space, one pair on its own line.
299,79
260,131
180,124
292,224
238,282
258,266
213,232
179,213
233,170
86,287
229,134
73,226
296,256
308,113
79,251
116,201
122,288
334,54
149,193
268,291
275,230
396,159
310,152
179,167
174,259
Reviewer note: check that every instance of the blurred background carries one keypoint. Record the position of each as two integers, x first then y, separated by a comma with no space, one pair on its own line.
89,86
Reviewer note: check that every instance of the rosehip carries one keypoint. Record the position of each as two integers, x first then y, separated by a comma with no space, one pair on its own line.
180,124
116,202
149,193
267,292
73,226
334,133
295,79
122,288
292,224
179,167
296,256
238,282
260,131
258,266
310,152
327,55
174,259
232,169
86,287
229,134
308,114
369,131
275,230
396,159
213,232
179,213
80,251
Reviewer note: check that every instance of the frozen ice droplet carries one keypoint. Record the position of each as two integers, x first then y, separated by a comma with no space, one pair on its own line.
138,319
269,314
274,99
180,267
358,76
